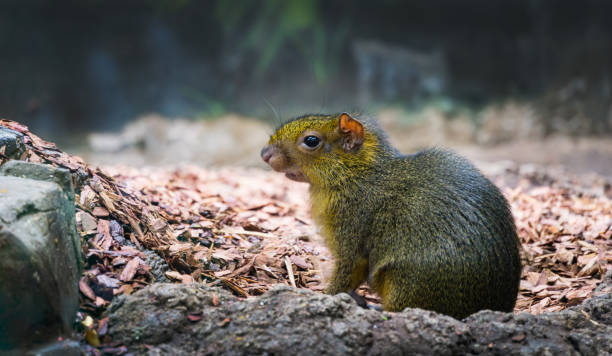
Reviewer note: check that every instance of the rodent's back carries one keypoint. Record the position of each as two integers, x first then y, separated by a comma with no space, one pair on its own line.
440,218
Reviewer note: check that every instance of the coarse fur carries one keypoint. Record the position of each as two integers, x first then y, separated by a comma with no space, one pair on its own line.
426,230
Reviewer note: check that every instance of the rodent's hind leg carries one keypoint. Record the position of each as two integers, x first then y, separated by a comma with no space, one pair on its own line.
348,275
395,289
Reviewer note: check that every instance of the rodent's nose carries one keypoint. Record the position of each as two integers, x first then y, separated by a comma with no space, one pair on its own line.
266,153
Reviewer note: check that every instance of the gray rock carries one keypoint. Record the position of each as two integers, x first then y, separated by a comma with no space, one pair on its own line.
159,267
59,348
40,259
283,321
606,285
60,176
12,141
582,330
181,319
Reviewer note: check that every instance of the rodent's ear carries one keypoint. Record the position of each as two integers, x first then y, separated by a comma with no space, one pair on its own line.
351,132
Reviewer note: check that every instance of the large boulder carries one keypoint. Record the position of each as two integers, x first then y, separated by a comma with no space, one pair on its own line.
196,319
40,259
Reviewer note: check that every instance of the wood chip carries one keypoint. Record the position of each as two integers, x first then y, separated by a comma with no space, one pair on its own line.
100,212
86,289
300,262
129,271
88,223
290,271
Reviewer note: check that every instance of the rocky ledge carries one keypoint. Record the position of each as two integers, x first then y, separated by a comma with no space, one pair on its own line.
196,319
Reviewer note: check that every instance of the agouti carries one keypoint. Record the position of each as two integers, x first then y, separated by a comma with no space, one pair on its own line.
426,230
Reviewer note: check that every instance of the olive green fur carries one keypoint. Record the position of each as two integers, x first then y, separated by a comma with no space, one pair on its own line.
426,230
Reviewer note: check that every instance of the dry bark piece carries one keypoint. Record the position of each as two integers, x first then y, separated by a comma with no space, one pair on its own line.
88,223
86,289
108,281
129,271
300,262
183,278
100,212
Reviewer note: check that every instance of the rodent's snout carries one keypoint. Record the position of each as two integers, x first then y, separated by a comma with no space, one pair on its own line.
266,153
274,157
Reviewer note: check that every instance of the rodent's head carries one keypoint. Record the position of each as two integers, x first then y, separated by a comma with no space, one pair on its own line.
324,149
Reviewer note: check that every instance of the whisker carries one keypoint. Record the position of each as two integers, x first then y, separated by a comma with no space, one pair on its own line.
276,115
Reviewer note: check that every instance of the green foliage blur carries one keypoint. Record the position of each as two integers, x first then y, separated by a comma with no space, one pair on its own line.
272,26
264,29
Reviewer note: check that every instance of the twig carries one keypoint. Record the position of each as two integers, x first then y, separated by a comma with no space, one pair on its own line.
236,288
589,318
290,271
234,231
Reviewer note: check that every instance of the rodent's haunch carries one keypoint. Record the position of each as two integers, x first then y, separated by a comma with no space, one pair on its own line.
426,230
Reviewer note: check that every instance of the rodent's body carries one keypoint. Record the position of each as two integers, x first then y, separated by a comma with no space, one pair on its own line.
426,230
431,223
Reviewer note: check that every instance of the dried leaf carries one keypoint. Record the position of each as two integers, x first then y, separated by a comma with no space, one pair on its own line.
108,281
130,269
86,289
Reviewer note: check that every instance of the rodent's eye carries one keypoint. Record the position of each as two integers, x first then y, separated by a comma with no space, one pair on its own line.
312,141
